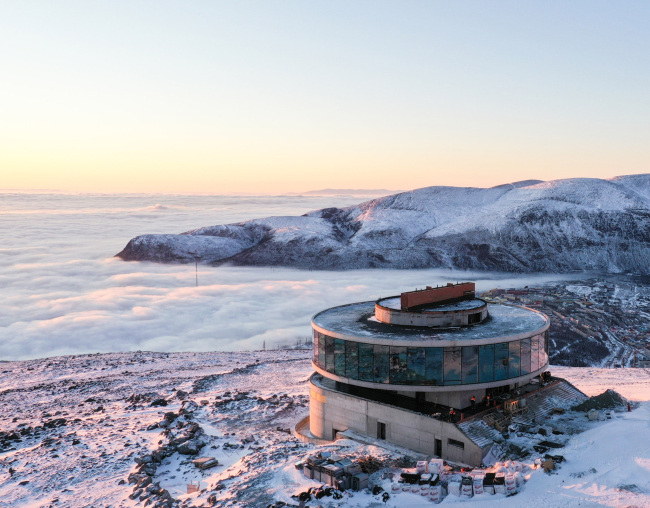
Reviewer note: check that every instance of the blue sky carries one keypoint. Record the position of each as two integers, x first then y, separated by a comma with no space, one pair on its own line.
289,96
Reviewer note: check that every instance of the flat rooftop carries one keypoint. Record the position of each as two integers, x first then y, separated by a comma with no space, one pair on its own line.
357,320
394,302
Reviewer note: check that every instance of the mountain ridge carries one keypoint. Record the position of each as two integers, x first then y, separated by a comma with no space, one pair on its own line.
528,226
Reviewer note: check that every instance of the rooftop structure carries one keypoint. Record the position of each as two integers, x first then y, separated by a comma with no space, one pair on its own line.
382,366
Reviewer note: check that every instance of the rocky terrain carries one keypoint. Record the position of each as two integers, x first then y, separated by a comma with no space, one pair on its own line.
122,430
531,226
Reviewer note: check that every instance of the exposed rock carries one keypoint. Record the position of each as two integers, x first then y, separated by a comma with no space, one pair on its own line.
135,494
191,447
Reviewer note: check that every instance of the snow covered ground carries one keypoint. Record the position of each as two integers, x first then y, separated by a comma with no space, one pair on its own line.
82,420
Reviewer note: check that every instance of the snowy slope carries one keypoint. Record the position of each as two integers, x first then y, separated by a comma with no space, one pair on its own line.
562,225
105,402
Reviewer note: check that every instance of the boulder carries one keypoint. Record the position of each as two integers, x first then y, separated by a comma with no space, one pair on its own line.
145,481
136,494
191,447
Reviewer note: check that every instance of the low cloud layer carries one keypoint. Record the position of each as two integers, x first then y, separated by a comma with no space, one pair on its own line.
64,294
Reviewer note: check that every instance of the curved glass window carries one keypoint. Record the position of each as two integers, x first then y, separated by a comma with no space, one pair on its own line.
315,350
351,359
452,365
501,354
470,364
402,365
366,362
398,365
329,354
525,356
339,357
433,366
514,360
415,365
534,354
543,348
382,363
486,363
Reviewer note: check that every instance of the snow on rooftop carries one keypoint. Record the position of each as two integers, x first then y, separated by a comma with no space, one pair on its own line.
395,303
354,320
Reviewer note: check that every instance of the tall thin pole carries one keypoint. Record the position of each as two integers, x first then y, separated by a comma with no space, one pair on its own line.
196,261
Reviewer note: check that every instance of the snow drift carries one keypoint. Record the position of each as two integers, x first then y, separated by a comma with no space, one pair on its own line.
531,226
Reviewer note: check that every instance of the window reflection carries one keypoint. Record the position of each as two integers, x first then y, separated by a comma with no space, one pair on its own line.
430,366
470,364
382,370
351,359
525,356
534,354
501,354
329,354
514,360
452,365
321,351
486,363
543,349
415,365
339,357
398,365
433,368
366,362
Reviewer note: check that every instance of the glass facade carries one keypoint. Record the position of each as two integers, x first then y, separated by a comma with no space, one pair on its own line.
525,356
401,365
382,362
339,357
514,360
486,363
451,367
398,374
470,364
433,361
501,354
366,363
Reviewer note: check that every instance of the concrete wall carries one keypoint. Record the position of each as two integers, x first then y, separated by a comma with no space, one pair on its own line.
429,319
331,410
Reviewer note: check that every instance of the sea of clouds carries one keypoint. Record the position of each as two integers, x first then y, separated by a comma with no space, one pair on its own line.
63,292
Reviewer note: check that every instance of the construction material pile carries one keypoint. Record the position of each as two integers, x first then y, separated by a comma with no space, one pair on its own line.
609,399
433,480
337,471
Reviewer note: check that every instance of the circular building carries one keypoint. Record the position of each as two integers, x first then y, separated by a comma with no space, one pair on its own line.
434,348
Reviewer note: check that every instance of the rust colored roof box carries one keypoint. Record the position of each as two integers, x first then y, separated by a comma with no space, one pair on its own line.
450,292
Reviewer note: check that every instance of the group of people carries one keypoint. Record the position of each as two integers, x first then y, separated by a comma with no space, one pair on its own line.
452,411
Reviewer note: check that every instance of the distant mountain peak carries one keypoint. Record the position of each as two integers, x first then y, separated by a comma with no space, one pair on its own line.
518,185
528,226
347,192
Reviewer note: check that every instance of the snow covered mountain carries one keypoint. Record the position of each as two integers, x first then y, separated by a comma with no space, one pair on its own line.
530,226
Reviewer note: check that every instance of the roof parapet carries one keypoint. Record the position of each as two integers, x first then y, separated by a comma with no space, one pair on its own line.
439,294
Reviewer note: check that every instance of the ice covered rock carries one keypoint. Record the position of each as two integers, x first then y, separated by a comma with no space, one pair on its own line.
191,447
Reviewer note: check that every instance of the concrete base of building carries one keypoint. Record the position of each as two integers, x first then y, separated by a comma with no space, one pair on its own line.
302,432
332,411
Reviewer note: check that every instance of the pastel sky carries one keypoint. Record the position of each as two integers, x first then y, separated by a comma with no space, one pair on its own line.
242,96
